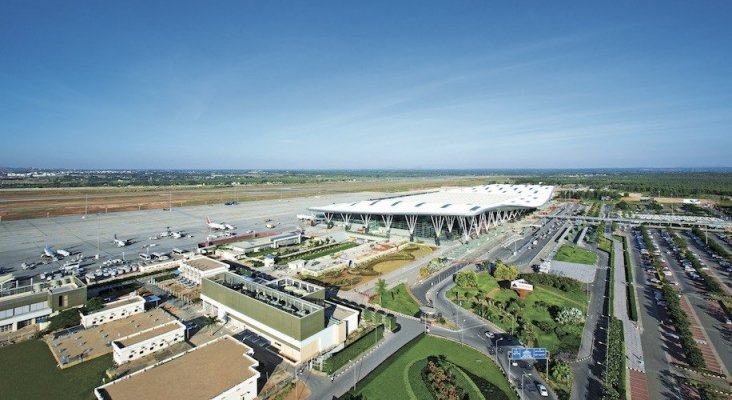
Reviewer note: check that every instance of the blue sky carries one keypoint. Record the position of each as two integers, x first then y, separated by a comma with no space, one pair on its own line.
345,84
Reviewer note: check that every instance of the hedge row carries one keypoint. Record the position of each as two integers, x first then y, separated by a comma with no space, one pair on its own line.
681,322
562,283
614,379
353,350
632,309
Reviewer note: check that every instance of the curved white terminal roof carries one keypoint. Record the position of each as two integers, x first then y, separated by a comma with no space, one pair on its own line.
467,201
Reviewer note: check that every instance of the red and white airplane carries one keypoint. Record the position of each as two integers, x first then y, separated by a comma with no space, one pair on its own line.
218,226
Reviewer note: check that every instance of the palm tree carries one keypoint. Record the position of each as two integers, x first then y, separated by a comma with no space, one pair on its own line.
211,321
381,290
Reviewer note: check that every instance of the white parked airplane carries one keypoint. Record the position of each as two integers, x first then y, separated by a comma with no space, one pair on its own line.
120,242
218,226
50,252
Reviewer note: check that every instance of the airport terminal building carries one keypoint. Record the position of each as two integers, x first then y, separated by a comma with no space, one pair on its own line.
468,211
34,304
291,314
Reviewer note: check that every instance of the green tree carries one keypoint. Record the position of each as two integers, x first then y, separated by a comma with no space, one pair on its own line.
466,279
381,290
93,304
502,272
210,322
513,272
561,372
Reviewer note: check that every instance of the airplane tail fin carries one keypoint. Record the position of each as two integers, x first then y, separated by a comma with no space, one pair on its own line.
208,220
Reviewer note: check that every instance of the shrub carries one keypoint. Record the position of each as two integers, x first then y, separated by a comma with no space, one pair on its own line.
562,283
570,316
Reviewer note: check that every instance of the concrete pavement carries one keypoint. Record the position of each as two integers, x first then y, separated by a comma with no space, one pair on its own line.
631,333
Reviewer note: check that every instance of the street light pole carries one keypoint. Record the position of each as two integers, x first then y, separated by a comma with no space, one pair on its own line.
498,340
522,383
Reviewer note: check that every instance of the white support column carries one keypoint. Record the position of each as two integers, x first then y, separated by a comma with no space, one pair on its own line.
464,227
437,223
366,218
411,223
483,224
474,225
387,221
346,218
328,217
450,223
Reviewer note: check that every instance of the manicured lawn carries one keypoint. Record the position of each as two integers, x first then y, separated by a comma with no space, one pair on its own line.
398,378
399,300
576,255
29,372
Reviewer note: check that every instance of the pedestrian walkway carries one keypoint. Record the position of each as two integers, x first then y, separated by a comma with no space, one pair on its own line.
631,334
710,358
638,386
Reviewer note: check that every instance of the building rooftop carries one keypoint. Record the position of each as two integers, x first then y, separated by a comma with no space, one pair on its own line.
119,304
95,341
204,263
64,284
294,287
272,296
464,201
201,373
149,334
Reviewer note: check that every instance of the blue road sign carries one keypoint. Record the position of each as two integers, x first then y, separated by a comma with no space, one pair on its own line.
528,353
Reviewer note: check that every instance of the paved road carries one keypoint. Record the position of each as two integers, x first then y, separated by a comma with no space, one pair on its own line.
633,345
587,371
661,382
321,387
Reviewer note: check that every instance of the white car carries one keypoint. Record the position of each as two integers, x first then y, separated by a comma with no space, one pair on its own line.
542,390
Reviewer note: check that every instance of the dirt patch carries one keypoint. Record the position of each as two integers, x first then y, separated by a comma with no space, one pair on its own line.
664,200
39,203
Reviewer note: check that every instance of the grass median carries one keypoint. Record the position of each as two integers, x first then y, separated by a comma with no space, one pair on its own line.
397,378
575,254
398,299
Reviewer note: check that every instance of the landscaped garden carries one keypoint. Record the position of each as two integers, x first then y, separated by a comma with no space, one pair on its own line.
551,316
348,278
29,371
407,374
575,254
397,299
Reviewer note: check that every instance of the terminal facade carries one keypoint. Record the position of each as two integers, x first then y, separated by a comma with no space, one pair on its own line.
466,211
293,315
34,304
